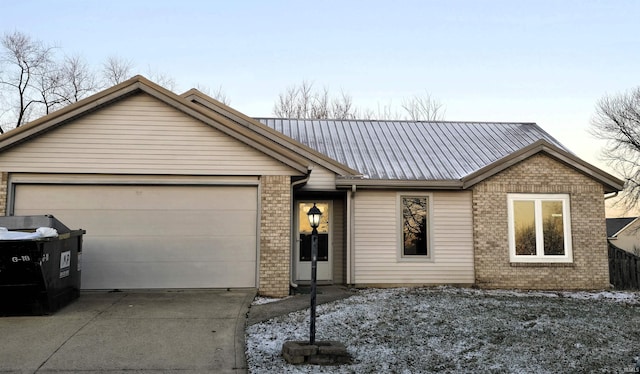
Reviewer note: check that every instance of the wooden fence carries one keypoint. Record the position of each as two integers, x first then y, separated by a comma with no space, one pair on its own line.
624,268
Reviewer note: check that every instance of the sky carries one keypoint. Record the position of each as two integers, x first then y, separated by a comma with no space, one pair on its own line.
542,61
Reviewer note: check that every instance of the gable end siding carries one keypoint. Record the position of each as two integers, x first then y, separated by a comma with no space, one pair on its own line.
139,135
540,174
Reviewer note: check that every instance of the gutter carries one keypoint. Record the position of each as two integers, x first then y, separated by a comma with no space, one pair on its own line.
613,194
292,249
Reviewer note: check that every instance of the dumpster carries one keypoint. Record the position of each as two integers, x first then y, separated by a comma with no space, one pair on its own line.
39,264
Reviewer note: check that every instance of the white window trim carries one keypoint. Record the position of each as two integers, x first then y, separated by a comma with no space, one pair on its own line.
401,257
540,257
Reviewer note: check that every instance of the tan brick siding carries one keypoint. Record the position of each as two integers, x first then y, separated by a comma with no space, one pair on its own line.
4,185
275,236
540,174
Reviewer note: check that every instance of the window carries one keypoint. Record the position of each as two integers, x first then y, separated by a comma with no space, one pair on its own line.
539,228
414,212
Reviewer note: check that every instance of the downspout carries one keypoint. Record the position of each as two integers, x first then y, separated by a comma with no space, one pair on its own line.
350,234
293,240
613,194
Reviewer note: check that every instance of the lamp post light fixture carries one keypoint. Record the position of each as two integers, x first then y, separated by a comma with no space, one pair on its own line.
314,220
319,353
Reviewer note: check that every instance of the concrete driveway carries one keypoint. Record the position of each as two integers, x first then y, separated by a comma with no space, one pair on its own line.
187,331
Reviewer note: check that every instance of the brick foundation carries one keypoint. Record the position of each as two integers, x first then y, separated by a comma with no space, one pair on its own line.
540,174
275,236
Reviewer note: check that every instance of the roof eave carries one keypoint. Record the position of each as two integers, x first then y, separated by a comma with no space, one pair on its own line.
63,115
610,183
399,184
141,84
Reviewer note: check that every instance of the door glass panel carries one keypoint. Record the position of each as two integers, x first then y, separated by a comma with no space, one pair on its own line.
304,228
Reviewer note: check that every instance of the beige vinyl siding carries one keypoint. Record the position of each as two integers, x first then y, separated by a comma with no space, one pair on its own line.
321,179
377,242
139,135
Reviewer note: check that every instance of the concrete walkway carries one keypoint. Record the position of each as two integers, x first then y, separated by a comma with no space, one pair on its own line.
299,301
200,331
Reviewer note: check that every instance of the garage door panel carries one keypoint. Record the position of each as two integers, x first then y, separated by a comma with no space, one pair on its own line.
96,197
123,275
144,223
142,249
155,236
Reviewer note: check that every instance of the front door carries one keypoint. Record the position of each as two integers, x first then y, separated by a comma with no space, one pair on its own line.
303,250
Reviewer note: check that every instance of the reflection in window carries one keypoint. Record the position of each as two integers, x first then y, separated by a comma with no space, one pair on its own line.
414,225
552,227
539,228
524,222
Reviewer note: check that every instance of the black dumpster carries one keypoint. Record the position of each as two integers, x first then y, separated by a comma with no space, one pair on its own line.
38,274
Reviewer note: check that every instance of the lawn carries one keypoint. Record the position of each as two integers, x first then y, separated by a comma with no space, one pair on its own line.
447,330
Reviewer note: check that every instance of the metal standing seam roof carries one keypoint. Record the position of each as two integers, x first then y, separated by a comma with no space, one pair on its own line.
412,150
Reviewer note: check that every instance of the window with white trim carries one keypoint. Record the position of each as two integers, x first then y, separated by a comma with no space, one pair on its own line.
414,214
539,228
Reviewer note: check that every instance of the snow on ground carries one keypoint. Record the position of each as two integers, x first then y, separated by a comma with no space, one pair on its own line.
424,330
261,300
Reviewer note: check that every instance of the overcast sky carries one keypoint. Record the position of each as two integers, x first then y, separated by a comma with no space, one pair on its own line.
537,61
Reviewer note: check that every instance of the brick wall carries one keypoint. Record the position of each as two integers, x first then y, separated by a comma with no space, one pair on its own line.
540,174
275,236
4,181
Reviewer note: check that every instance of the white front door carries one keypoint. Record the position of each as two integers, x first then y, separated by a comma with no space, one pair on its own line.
303,236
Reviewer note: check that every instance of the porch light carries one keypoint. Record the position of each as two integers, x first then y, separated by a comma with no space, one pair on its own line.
314,216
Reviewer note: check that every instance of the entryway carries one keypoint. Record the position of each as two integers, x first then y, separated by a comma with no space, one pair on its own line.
303,242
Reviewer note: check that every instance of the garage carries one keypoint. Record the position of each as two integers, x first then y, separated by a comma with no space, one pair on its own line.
155,236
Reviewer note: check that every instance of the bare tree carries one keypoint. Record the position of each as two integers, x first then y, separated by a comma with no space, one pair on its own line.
303,101
34,81
423,108
79,80
116,70
617,120
23,62
218,94
162,79
48,86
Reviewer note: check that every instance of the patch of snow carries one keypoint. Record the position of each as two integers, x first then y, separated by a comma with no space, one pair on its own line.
260,300
447,329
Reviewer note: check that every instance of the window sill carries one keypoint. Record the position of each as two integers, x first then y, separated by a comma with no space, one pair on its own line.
543,264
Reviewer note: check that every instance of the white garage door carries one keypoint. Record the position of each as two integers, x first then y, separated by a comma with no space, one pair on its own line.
155,236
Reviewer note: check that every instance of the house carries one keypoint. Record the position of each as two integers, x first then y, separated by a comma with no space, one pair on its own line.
624,233
181,191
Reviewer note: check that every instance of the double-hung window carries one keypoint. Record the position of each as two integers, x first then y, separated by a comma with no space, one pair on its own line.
539,228
414,227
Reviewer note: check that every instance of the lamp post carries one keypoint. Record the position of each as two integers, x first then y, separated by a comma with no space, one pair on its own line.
314,220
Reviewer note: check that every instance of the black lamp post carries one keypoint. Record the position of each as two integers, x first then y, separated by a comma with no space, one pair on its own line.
314,220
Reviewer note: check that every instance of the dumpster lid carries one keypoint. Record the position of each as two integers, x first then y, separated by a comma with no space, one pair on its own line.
40,233
32,223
